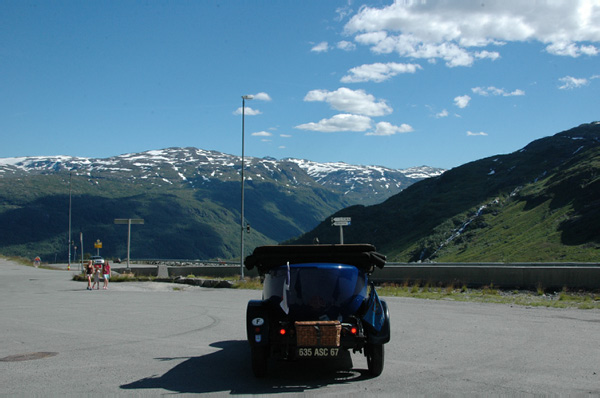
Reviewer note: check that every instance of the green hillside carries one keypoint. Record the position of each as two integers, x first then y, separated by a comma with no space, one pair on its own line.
188,197
541,203
180,221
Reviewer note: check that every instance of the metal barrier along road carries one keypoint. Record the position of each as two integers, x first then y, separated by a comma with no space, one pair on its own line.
501,275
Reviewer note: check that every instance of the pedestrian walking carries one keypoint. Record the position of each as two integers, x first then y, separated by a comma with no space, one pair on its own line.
106,273
97,270
89,271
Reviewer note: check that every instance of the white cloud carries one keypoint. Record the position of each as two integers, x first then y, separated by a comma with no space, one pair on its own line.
462,101
285,135
410,46
449,30
589,50
569,83
346,45
471,134
378,72
570,49
342,13
443,113
341,122
262,97
321,47
486,91
248,111
385,129
262,134
493,55
352,101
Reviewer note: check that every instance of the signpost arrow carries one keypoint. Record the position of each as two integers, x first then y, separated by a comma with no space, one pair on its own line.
341,222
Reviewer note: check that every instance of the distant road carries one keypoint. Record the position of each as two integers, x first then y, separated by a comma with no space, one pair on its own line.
154,339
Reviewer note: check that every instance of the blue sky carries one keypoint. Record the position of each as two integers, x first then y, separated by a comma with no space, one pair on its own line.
422,82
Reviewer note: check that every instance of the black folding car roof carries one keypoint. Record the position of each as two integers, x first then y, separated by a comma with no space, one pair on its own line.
363,256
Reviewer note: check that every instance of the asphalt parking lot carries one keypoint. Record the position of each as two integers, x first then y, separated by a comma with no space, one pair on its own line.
153,339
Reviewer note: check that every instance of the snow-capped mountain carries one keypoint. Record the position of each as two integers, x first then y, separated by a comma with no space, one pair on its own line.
369,184
189,198
197,167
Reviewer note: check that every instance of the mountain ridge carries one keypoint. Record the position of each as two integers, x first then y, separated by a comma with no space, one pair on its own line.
336,175
553,183
193,193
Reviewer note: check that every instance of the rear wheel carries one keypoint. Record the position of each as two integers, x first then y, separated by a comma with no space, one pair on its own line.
259,360
375,357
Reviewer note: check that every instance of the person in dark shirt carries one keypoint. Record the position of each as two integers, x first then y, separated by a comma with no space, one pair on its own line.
89,270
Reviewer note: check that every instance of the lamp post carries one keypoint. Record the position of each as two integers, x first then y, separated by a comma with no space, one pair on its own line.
244,98
70,243
81,245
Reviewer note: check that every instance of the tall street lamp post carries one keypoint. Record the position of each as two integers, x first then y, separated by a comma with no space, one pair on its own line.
70,242
244,98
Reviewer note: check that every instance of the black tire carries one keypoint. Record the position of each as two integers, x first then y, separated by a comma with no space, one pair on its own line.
375,357
259,360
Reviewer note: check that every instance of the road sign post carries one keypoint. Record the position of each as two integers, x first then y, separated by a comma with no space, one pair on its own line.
98,246
341,222
129,221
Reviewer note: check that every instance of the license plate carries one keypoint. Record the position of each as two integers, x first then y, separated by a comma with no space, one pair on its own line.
318,352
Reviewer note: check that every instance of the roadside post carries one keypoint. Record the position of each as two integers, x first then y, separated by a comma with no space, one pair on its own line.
74,256
341,222
81,245
129,221
97,246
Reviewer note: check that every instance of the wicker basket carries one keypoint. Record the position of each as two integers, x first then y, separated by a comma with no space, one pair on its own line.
318,333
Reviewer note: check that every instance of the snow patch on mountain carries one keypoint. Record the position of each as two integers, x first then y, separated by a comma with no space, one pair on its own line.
189,165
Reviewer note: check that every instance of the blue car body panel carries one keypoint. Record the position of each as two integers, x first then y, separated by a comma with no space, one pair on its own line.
324,291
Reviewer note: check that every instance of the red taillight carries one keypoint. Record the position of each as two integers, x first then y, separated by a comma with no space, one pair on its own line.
353,330
282,331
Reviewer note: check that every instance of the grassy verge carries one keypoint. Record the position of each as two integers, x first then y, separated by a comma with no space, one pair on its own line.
248,283
27,262
19,260
489,294
119,278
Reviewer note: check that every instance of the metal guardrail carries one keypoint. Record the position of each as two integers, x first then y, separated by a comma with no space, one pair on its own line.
507,265
503,275
153,261
571,275
163,261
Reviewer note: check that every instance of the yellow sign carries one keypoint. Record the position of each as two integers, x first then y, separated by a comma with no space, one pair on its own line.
98,244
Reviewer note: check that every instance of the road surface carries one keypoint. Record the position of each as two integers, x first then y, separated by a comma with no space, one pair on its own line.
153,339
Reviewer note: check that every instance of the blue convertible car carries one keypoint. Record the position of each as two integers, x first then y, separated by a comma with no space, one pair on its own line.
317,303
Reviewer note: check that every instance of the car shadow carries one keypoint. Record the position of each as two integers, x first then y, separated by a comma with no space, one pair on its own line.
229,370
